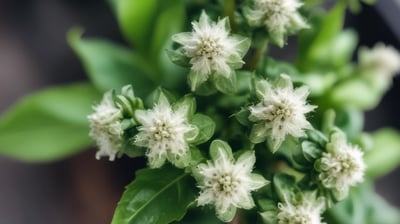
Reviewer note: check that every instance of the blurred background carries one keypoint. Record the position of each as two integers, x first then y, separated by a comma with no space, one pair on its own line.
34,55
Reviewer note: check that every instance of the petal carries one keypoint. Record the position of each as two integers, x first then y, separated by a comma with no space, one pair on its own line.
205,197
246,161
182,38
257,181
258,133
142,116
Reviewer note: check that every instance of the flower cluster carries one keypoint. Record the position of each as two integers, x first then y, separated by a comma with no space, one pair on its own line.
280,18
281,112
268,107
380,60
165,133
307,210
106,128
341,167
227,184
212,51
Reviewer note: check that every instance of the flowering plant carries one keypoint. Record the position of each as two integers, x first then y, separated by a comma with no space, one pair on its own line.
230,133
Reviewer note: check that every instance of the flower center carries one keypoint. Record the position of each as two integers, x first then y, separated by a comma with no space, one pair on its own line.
281,112
209,47
162,130
224,183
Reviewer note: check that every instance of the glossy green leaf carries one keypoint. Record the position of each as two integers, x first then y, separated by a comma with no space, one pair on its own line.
385,153
148,25
206,128
156,196
112,66
169,20
136,21
48,125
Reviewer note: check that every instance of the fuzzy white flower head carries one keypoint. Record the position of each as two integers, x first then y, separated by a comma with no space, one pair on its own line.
281,112
227,184
307,211
105,128
342,166
280,17
381,59
165,133
212,50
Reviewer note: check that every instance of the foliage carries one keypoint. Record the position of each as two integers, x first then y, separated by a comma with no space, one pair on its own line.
222,122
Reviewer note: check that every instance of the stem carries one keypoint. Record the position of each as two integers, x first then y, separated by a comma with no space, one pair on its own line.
229,10
254,58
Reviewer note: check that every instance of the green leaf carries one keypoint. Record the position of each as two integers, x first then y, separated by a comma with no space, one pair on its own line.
111,66
351,121
206,128
385,154
136,21
170,20
219,148
156,196
313,42
284,186
200,216
48,125
356,92
148,25
363,206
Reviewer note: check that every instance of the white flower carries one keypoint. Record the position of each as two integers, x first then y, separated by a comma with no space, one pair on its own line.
342,166
281,112
165,132
280,17
227,184
211,50
105,128
308,211
380,60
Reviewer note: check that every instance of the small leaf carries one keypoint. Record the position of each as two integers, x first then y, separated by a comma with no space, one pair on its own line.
178,58
385,153
224,84
206,128
156,196
110,66
310,151
220,148
284,186
48,125
356,92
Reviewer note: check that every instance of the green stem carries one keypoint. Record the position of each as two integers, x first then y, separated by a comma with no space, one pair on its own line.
254,58
229,11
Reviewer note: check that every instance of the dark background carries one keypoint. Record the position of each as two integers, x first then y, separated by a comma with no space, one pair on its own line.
34,54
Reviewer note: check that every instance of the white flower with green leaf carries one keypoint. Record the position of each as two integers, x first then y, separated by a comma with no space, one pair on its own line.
342,166
280,18
105,127
307,210
381,61
166,132
225,183
212,52
280,112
